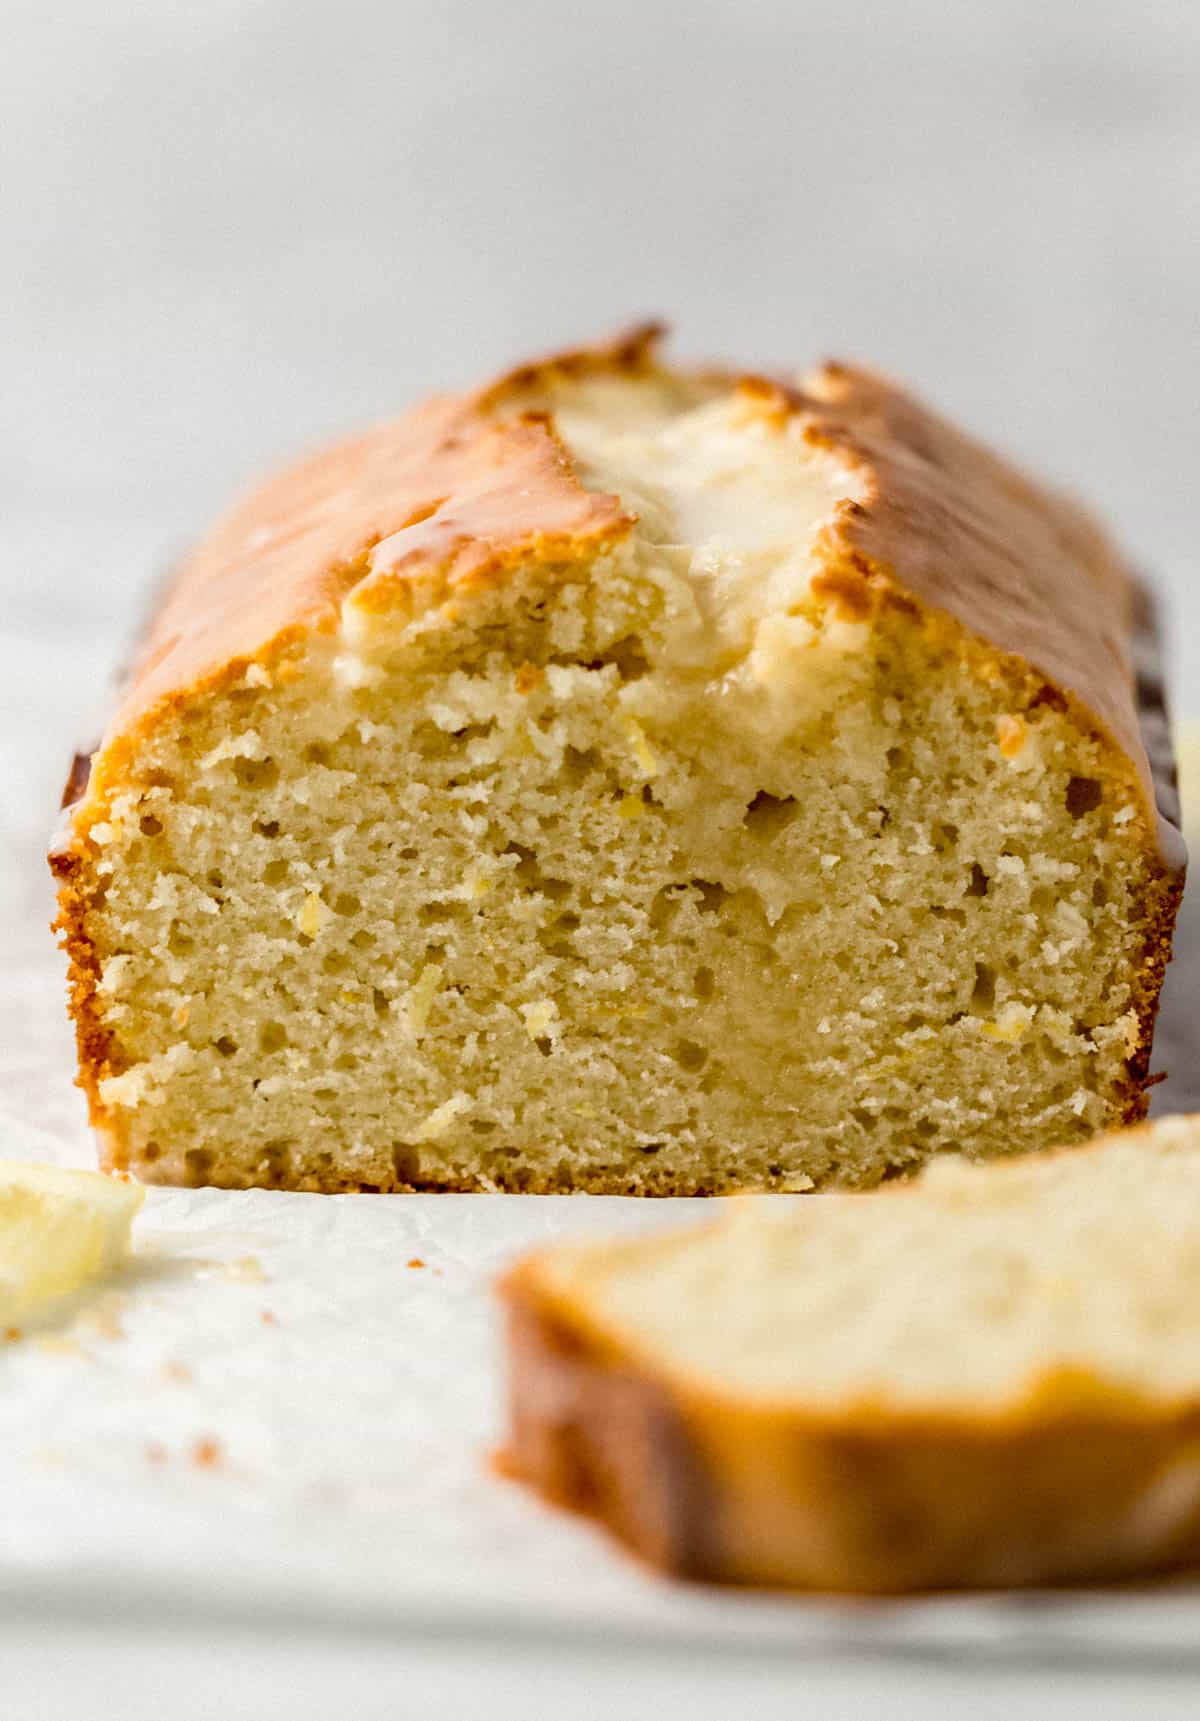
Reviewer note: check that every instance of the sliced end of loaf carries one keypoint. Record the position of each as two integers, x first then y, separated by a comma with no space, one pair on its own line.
682,858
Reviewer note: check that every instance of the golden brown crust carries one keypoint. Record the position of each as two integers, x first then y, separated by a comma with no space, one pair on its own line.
442,499
949,524
386,1179
92,1039
1062,1490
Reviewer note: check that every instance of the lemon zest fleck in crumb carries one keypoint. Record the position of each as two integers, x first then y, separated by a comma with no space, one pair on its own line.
313,916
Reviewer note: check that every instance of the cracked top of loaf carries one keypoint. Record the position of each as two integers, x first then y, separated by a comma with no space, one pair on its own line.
866,498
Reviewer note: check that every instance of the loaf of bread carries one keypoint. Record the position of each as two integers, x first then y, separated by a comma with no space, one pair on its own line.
986,1376
625,778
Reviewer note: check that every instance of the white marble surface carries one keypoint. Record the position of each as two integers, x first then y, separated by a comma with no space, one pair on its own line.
125,1673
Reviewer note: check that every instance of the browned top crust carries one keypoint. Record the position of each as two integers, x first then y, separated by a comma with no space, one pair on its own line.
458,490
463,495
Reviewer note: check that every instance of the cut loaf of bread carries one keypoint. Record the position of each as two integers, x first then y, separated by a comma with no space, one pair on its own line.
632,779
990,1376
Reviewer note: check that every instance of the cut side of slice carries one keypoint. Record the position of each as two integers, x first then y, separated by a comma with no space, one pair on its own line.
59,1231
989,1377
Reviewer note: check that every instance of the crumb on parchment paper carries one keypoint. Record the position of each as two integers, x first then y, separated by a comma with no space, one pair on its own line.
247,1269
206,1453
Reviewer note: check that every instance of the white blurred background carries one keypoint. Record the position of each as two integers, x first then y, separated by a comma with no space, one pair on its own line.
234,228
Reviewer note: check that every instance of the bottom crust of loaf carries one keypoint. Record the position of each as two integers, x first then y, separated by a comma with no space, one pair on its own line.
206,1170
1071,1488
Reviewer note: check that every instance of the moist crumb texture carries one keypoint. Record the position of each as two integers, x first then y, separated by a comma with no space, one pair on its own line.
678,855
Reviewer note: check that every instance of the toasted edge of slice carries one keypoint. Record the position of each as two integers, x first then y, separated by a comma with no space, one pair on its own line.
1078,1479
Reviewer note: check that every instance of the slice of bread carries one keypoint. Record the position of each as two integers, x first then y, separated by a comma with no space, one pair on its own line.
987,1377
626,778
